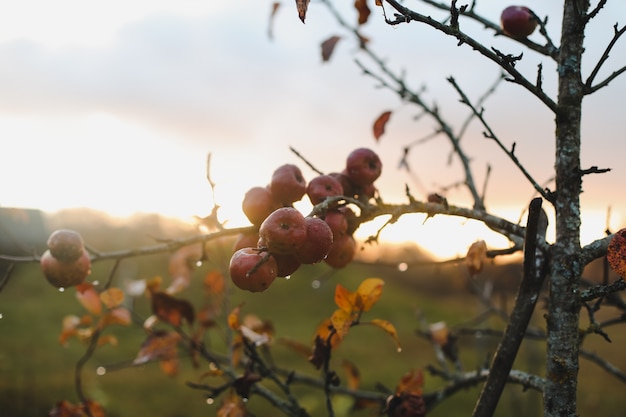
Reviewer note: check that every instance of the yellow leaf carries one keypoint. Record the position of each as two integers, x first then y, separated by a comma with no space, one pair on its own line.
369,292
390,329
233,318
341,321
112,297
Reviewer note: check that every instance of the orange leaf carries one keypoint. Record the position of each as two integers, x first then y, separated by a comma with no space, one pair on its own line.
169,366
298,347
328,46
439,333
411,383
369,292
107,339
172,310
476,256
159,345
214,283
323,331
232,406
390,329
380,123
88,297
354,376
112,297
363,9
119,315
616,253
302,6
233,317
344,299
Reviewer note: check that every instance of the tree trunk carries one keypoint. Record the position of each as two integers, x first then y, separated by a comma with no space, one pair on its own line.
565,264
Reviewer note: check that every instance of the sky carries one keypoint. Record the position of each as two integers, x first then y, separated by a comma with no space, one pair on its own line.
116,106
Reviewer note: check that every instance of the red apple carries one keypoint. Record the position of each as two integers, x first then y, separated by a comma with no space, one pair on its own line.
65,274
344,180
341,252
286,264
258,203
363,166
245,240
337,221
283,231
518,21
287,184
66,245
319,237
252,270
323,186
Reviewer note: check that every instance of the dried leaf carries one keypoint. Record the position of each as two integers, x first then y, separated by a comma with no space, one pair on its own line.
369,292
112,297
328,46
214,283
270,26
411,383
302,6
233,317
107,339
159,345
298,347
616,253
439,333
170,367
119,315
476,256
354,376
363,10
390,329
89,298
324,331
172,310
232,406
380,124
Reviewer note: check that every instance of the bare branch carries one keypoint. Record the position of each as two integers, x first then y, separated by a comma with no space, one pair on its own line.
589,87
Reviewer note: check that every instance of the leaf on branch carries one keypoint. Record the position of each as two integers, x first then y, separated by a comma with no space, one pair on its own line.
411,383
302,6
171,310
344,299
89,298
298,347
328,46
112,297
233,317
363,10
74,326
214,284
616,253
119,315
342,321
232,406
380,124
390,329
476,257
107,339
270,26
369,293
65,408
158,346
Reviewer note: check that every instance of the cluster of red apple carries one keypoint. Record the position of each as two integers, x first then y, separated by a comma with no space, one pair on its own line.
518,21
286,238
66,262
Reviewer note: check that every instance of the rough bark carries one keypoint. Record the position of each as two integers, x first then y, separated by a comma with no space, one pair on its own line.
566,266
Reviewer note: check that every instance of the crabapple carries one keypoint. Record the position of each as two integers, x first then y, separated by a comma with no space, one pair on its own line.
347,185
363,166
258,203
319,237
63,274
286,264
323,186
287,184
252,270
518,21
66,245
337,221
283,231
341,252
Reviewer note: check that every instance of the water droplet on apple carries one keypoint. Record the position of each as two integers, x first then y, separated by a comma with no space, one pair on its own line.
210,401
244,399
61,289
101,370
288,277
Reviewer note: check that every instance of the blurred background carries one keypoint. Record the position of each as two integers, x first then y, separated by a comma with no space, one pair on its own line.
109,111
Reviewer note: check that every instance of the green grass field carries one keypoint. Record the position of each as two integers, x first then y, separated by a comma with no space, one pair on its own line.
36,372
